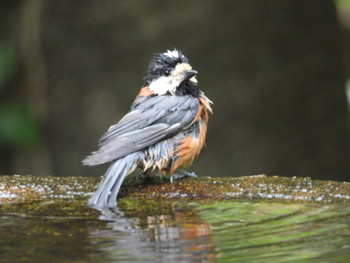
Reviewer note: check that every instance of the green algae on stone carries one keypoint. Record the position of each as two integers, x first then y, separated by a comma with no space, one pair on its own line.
250,187
68,195
18,188
46,196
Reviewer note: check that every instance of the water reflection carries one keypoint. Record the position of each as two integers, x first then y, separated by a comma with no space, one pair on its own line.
178,236
278,232
157,231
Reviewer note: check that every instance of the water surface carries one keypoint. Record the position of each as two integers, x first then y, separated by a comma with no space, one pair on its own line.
193,231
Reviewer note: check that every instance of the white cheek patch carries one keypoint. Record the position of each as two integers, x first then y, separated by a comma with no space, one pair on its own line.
163,85
181,68
169,83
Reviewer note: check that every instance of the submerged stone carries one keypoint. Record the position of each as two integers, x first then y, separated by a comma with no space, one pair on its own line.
243,219
68,195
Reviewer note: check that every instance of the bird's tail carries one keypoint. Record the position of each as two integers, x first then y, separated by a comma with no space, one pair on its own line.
107,191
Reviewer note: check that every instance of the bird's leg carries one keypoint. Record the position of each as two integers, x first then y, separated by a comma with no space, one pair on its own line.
181,174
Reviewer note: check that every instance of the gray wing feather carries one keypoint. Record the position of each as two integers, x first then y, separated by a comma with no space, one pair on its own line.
159,109
133,120
155,119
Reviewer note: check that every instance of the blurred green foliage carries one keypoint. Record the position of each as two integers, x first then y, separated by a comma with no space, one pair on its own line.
342,4
7,63
18,126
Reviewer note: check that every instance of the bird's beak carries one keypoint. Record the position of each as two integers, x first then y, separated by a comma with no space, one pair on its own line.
189,74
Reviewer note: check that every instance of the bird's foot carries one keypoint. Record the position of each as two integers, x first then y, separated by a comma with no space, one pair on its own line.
181,174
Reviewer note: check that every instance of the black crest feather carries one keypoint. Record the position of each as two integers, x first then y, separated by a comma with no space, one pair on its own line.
162,64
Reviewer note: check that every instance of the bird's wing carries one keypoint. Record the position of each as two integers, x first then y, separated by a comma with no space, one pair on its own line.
151,121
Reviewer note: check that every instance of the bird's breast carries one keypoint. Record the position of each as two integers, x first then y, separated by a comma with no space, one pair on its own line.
191,145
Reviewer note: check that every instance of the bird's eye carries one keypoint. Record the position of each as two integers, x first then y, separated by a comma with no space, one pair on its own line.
167,72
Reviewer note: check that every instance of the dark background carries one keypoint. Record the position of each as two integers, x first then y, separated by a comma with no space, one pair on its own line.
276,71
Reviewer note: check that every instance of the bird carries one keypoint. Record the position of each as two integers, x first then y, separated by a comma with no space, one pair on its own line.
164,130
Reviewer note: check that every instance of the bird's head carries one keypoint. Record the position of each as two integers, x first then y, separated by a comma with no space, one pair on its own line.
171,73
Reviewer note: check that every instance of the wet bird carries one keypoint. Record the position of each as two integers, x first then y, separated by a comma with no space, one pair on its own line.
164,130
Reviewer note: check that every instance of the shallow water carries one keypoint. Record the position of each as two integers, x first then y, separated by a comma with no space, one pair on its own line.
199,231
